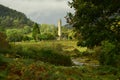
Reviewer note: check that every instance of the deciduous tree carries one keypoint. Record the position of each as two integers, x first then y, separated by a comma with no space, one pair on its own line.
96,20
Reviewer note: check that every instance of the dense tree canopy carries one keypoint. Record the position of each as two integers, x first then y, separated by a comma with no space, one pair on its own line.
96,20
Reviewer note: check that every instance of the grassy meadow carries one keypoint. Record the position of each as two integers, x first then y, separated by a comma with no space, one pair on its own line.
51,60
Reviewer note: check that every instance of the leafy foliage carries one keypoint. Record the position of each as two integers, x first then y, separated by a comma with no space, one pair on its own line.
48,28
108,55
96,20
27,30
47,36
14,35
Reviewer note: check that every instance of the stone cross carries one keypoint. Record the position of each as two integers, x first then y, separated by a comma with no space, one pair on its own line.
59,29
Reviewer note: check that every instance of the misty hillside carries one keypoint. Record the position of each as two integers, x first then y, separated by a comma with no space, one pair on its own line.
10,18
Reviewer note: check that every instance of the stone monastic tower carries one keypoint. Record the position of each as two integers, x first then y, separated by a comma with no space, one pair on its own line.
59,29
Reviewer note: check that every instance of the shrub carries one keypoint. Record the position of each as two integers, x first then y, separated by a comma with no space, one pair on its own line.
92,53
4,45
81,43
46,36
26,38
48,55
45,54
88,53
14,35
26,30
3,64
108,55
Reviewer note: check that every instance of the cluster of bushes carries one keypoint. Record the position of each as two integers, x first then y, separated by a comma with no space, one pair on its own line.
107,54
14,35
45,54
47,36
32,70
110,54
25,69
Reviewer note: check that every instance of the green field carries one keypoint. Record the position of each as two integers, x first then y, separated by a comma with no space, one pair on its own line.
65,44
18,66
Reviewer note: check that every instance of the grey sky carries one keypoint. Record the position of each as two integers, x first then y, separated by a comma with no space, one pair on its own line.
41,11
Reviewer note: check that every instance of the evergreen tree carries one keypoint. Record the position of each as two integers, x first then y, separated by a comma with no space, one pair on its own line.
36,31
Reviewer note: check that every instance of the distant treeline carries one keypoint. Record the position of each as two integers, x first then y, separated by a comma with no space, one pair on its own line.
11,18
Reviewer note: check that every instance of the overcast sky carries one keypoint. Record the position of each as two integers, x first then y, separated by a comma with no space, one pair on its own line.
41,11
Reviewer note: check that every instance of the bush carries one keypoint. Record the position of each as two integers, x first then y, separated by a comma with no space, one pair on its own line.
26,38
14,35
46,36
92,53
109,54
26,30
53,57
4,45
3,64
45,54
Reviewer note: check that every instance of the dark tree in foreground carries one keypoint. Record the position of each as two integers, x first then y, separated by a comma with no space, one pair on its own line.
96,20
36,31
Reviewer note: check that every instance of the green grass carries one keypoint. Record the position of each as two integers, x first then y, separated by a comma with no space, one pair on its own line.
46,51
68,46
52,43
23,68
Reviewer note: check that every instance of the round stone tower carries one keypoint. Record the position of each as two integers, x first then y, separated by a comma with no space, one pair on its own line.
59,29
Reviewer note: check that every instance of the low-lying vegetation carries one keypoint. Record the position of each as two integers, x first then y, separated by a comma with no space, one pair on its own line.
51,60
28,69
45,54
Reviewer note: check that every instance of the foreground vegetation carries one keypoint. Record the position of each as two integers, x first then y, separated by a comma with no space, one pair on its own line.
51,60
31,70
98,22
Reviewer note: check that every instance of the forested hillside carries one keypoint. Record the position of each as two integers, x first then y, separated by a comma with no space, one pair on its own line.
10,18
